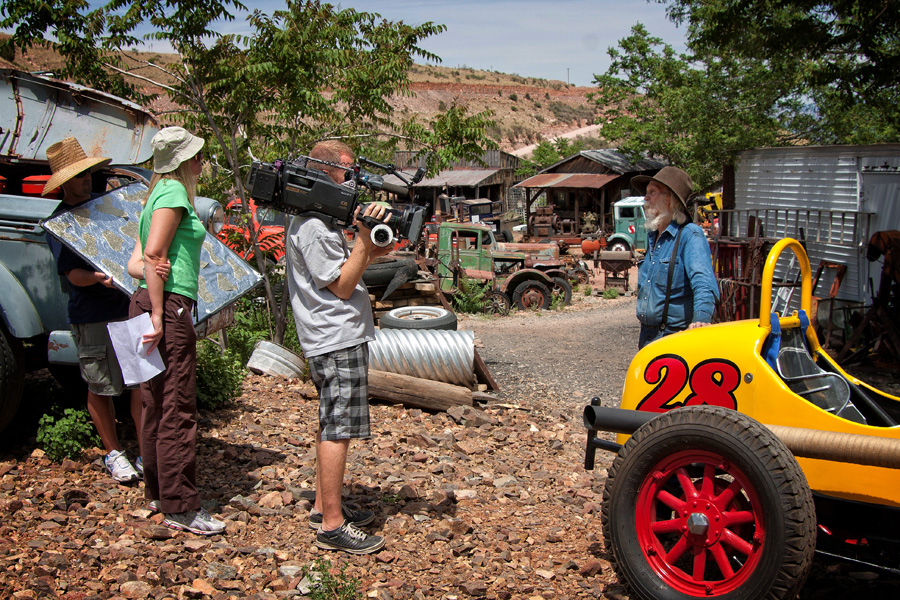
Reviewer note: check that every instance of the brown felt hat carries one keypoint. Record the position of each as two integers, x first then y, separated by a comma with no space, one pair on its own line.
678,182
67,160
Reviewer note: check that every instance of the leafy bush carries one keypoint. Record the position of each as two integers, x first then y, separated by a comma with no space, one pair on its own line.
470,298
251,324
514,97
587,290
557,302
330,583
66,436
610,293
219,375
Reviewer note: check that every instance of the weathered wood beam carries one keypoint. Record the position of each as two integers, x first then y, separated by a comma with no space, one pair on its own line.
418,392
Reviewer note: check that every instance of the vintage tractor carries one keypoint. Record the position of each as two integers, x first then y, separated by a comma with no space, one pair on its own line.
738,444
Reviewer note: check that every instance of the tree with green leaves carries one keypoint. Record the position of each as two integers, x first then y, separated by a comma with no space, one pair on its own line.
303,74
756,73
691,112
846,54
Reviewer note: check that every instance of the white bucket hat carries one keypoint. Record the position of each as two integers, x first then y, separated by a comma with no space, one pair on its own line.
172,146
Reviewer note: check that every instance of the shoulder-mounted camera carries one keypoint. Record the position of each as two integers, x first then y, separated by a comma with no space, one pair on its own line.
296,187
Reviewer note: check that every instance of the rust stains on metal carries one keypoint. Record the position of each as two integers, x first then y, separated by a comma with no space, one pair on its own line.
566,180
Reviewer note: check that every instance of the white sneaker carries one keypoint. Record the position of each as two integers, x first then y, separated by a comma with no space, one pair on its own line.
119,467
195,521
139,467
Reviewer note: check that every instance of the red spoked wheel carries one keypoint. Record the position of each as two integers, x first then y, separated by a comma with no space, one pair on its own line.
705,502
699,523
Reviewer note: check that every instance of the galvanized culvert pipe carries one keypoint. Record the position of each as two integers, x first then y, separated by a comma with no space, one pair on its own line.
438,355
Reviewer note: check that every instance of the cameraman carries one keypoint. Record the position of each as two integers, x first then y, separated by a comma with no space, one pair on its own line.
334,324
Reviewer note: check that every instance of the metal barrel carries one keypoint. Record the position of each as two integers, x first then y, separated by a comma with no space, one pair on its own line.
438,355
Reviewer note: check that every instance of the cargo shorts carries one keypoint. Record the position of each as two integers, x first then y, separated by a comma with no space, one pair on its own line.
97,359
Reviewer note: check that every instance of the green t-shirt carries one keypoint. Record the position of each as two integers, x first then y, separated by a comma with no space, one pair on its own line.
184,251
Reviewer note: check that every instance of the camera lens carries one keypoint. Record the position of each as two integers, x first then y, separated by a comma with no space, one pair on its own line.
382,235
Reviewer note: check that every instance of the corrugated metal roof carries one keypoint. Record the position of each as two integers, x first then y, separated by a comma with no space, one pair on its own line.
458,178
566,180
613,160
616,161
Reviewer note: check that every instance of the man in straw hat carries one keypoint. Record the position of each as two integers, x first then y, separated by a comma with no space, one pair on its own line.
93,302
677,288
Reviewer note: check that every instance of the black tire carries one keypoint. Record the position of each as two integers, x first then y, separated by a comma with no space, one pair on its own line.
768,541
498,303
562,288
381,273
532,295
12,376
419,317
69,379
505,236
620,246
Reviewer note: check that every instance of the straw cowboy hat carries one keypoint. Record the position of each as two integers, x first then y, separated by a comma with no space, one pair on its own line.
172,146
678,182
67,160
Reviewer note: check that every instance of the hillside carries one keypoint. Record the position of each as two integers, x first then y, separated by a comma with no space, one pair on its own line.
526,109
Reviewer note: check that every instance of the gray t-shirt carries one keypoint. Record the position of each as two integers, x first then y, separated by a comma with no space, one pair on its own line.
325,323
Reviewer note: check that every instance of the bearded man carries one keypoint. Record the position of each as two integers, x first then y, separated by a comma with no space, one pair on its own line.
677,288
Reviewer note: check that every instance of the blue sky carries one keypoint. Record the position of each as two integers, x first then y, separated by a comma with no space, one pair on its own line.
565,40
551,39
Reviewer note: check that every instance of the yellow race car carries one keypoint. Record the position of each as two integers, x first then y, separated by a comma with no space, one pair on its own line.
738,443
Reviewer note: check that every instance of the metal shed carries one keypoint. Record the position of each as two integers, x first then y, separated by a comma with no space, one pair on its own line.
838,196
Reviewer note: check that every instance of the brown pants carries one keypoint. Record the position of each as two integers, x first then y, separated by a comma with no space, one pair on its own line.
169,436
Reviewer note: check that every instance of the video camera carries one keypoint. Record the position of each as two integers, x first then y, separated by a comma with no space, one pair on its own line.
296,188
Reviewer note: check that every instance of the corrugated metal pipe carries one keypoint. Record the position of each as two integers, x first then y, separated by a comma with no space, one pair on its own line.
437,355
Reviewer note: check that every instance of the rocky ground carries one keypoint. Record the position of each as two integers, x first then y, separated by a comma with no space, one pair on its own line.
493,502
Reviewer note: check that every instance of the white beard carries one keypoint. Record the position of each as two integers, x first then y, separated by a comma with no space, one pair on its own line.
655,219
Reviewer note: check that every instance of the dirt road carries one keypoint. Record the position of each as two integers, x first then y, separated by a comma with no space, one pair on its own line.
561,359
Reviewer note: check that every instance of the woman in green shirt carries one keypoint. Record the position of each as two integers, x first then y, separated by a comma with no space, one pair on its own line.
170,230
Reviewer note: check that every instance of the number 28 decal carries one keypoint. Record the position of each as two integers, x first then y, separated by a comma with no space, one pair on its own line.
711,382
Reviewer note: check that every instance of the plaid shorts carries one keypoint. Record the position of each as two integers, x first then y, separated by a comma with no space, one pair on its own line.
342,379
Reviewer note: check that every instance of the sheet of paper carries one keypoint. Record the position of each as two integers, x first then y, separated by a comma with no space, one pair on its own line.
136,363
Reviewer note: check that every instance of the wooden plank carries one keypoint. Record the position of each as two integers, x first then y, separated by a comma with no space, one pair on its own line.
483,375
417,392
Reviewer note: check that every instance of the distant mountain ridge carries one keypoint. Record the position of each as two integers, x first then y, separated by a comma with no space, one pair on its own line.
526,109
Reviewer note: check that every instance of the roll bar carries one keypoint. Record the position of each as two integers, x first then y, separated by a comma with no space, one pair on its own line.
765,307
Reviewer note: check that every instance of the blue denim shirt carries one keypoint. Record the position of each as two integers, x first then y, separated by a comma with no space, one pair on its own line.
694,287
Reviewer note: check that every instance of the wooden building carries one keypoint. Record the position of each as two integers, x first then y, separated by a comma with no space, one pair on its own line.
589,181
467,179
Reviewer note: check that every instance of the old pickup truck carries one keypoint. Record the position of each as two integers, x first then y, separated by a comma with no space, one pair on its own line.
526,275
35,112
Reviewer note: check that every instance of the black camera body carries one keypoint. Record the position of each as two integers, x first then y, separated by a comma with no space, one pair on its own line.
294,188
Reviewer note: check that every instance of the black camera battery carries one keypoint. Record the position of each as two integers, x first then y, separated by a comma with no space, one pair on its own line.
264,182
